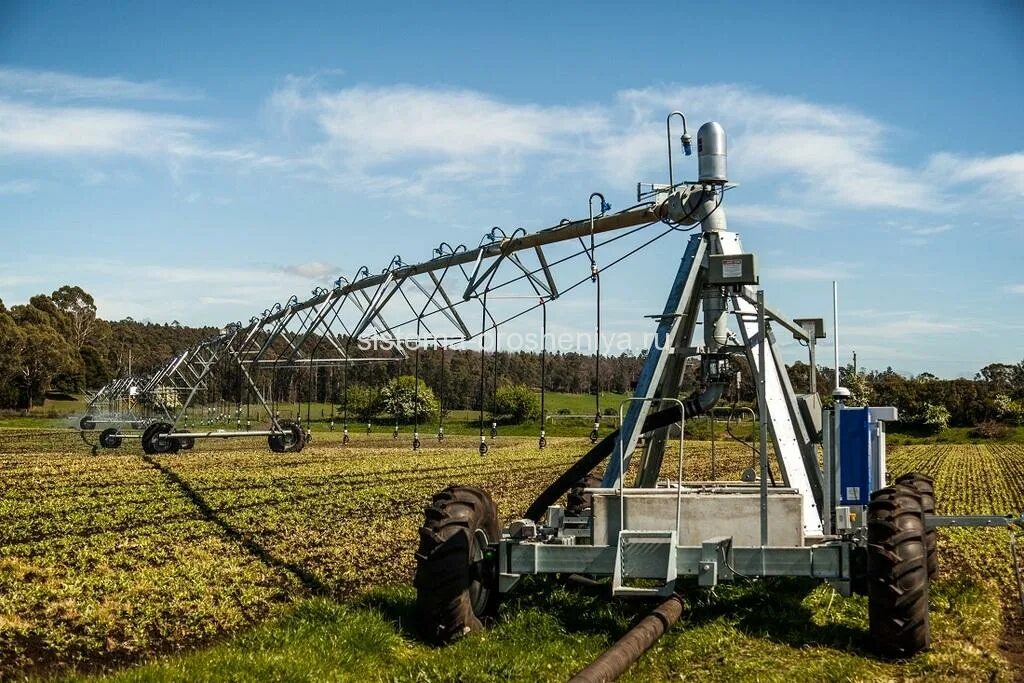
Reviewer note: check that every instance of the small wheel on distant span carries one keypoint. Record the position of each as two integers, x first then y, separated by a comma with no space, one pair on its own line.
542,442
416,443
86,423
109,438
155,441
290,440
483,448
578,498
593,436
186,443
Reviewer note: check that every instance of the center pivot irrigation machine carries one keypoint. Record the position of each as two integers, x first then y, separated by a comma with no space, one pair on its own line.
824,508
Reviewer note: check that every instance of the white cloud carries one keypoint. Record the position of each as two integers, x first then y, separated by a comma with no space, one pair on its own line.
222,301
407,137
928,231
833,154
774,215
314,270
18,187
31,129
193,293
913,325
13,280
380,124
65,86
828,272
1001,175
1015,289
415,139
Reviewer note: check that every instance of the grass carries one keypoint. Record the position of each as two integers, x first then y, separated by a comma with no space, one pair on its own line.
232,563
777,630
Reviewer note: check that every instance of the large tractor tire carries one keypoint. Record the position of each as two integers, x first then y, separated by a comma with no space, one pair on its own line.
897,573
456,572
291,440
925,487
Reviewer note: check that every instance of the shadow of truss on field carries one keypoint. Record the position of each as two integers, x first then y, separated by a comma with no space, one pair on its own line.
308,579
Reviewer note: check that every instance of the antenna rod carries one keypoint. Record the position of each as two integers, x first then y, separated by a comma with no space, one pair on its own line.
835,329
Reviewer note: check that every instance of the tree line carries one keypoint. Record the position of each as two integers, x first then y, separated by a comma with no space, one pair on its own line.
56,342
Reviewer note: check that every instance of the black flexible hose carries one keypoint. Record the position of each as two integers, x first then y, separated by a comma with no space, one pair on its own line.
693,407
637,640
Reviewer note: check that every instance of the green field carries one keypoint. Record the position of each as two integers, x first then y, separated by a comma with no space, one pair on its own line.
297,567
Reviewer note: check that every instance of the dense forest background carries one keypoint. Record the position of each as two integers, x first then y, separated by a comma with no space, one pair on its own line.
56,343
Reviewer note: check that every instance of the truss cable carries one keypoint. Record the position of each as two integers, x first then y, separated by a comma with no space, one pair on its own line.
344,399
483,371
440,400
494,387
398,376
542,442
595,277
416,376
416,399
238,393
330,391
309,398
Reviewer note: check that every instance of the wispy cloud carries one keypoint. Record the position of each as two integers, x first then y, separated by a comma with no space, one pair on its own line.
754,214
417,138
832,271
12,280
187,292
43,130
65,86
313,270
406,136
915,324
18,187
829,154
1001,175
1015,289
928,231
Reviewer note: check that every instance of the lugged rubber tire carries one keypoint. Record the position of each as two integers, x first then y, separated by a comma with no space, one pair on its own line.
152,445
897,573
456,582
86,424
292,441
925,487
109,438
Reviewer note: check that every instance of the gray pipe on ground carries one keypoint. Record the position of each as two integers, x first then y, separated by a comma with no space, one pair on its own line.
627,649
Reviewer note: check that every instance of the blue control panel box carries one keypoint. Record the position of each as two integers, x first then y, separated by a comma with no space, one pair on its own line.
855,456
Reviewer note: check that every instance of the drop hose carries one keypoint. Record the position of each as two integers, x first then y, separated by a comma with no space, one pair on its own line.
696,405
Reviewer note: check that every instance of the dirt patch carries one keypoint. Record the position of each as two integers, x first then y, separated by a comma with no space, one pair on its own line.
1012,644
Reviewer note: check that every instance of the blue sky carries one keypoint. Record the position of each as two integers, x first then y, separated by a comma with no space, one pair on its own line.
199,163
